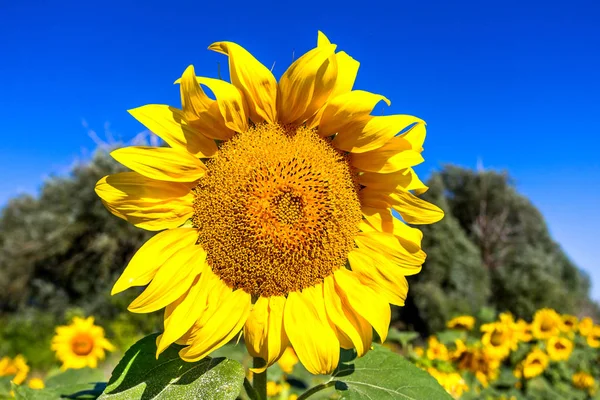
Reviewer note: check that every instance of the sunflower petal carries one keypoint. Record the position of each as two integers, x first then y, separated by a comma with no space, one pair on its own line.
169,124
347,107
405,179
370,133
264,333
223,318
388,281
383,221
389,247
353,330
391,157
318,351
152,255
306,85
172,280
146,203
365,301
253,79
161,163
416,136
201,112
415,210
230,101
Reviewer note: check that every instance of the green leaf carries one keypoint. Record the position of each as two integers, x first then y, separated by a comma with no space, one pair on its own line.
139,375
74,376
384,375
401,337
81,391
5,385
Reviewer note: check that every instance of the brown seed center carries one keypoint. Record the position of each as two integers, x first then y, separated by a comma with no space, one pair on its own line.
277,210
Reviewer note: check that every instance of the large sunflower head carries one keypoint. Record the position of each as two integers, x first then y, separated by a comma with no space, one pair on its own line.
80,344
274,202
16,367
546,323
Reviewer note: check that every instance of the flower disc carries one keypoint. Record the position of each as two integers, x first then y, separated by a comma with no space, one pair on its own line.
277,210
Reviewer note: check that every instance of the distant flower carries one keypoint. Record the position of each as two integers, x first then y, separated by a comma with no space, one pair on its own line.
534,364
583,380
463,322
36,383
499,339
478,361
559,348
288,360
452,382
569,323
585,326
274,203
80,344
546,323
593,337
16,367
273,389
436,350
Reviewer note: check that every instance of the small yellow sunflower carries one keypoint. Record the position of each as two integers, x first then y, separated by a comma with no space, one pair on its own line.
593,337
546,323
498,339
478,361
559,348
275,205
534,364
288,360
463,323
585,326
452,382
16,367
583,380
436,350
80,344
569,323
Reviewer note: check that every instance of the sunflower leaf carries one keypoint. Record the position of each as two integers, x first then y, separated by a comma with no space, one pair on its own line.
384,375
140,375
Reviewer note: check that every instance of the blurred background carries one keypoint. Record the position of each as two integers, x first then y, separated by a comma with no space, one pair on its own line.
510,92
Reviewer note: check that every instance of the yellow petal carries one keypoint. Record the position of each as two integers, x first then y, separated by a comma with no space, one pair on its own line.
391,157
390,248
173,279
322,40
253,79
201,112
383,221
370,133
152,255
353,330
161,163
405,179
310,331
181,315
223,318
415,210
364,300
416,136
385,279
230,101
146,203
306,85
344,108
264,334
169,124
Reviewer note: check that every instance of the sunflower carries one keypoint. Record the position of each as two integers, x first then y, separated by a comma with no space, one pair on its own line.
593,338
499,339
288,360
452,382
546,323
275,205
463,323
478,361
569,323
16,367
436,350
585,326
583,380
534,364
80,344
559,348
36,383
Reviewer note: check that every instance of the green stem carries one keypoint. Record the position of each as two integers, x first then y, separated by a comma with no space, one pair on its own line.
259,381
315,389
250,390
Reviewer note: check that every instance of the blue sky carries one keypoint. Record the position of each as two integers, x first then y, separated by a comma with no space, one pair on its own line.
514,84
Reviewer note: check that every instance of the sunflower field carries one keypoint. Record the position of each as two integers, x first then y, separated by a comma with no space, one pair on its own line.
262,247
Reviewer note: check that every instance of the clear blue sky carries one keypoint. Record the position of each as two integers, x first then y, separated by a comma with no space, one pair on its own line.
515,84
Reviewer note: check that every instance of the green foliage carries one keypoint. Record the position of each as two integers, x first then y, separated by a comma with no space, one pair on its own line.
140,375
73,384
383,374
